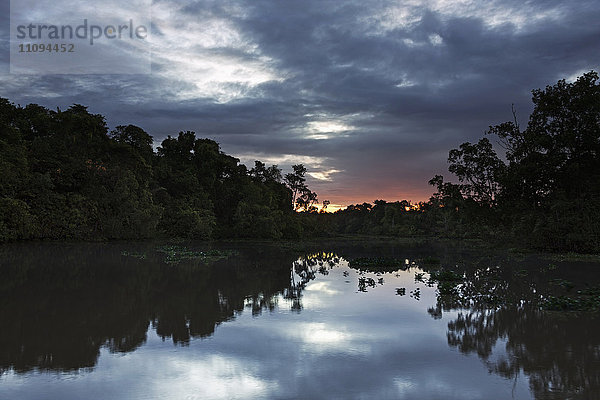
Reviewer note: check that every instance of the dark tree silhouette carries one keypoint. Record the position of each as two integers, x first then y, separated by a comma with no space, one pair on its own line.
479,168
302,197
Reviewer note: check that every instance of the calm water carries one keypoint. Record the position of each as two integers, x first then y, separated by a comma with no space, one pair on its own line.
125,321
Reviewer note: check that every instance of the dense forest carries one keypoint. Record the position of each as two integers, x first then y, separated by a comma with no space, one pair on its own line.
543,192
65,175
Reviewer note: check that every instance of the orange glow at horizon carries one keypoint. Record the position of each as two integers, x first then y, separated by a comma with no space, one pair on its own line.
331,208
343,194
341,202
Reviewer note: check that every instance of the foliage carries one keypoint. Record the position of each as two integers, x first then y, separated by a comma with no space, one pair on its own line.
302,197
63,175
481,169
377,264
546,195
175,254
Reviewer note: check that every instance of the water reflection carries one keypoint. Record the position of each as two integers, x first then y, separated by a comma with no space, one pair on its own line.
386,330
560,354
60,305
500,319
304,270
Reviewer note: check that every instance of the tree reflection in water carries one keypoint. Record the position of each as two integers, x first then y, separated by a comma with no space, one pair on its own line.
62,304
559,352
304,270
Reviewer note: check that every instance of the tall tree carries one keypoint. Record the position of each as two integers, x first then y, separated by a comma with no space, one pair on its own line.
558,154
478,167
302,196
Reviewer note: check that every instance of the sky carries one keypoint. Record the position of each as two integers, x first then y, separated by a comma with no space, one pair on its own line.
369,95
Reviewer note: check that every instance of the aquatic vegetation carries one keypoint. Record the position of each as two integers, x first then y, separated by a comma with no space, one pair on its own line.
377,264
445,275
587,299
571,303
488,289
521,273
141,256
592,291
176,254
563,283
429,261
482,288
549,267
572,257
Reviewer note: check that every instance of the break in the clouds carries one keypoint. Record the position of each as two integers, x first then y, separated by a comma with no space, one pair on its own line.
369,95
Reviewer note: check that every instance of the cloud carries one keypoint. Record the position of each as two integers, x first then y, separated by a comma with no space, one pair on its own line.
377,92
324,175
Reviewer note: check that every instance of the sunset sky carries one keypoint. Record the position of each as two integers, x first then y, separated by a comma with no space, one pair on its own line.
370,95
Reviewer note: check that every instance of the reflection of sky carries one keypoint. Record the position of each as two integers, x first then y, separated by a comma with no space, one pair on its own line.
343,344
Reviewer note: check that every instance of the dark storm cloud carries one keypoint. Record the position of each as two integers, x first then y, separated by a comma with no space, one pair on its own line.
4,36
378,91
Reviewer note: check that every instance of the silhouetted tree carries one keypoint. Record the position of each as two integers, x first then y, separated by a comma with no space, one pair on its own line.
302,196
479,169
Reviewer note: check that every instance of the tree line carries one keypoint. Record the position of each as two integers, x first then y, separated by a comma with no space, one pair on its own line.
543,192
64,175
